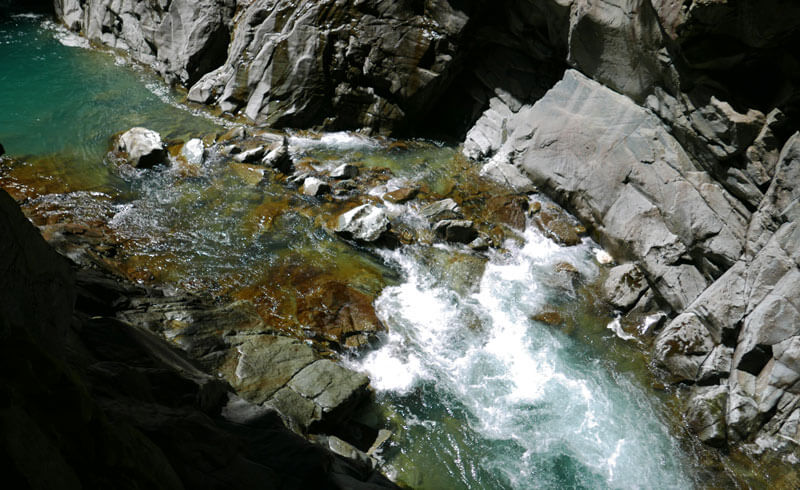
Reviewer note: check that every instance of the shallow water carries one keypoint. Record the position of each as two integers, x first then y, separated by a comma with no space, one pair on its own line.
479,394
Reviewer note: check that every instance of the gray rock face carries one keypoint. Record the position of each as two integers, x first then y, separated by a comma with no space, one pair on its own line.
656,189
338,64
142,147
653,204
181,39
365,223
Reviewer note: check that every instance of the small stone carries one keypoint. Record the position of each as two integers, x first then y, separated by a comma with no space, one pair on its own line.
250,156
193,151
366,223
2,150
313,186
455,230
143,147
602,257
402,195
279,158
344,171
535,208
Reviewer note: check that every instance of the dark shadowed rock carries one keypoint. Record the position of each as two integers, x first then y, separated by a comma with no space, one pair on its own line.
456,230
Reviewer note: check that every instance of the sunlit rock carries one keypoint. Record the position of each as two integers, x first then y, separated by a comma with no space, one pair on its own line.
366,223
142,147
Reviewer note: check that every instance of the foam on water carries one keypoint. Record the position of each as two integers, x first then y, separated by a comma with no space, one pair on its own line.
549,416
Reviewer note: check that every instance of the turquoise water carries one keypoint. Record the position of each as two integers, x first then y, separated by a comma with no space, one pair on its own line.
479,395
58,96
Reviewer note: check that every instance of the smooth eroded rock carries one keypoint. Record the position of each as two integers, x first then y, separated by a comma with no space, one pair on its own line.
142,147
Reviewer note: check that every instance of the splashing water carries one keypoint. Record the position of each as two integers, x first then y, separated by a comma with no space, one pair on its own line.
500,400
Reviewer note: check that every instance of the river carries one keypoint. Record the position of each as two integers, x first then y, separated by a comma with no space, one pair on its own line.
478,393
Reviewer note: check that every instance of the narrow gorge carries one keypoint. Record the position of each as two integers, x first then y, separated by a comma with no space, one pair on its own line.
420,244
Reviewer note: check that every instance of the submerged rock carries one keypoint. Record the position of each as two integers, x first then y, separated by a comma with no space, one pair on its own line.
365,223
142,147
402,195
2,150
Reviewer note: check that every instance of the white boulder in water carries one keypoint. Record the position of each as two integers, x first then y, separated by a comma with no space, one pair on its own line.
366,223
142,147
194,151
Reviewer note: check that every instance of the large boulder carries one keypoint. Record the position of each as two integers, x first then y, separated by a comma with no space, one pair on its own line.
142,147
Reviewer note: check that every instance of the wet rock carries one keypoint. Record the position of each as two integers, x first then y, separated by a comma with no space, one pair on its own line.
2,150
706,415
193,151
624,286
339,313
441,210
480,244
557,226
312,186
142,147
252,175
365,223
250,155
456,230
402,195
453,269
344,171
279,158
510,210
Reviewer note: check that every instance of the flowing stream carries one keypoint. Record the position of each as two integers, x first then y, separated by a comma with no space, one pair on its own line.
478,393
